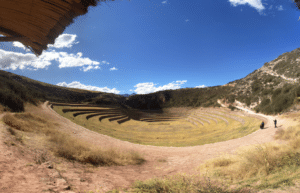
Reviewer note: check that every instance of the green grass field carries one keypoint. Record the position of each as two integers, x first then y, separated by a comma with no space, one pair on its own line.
174,127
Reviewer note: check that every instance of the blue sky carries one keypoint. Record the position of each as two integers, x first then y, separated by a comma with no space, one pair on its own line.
145,46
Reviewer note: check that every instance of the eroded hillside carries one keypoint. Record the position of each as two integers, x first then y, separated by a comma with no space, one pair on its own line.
273,88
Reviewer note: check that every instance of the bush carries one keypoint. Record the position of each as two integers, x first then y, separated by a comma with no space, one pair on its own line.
276,93
269,79
256,86
248,102
267,92
297,91
265,102
11,100
287,88
231,107
282,102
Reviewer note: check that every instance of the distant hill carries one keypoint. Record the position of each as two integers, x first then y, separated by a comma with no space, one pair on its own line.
128,95
271,89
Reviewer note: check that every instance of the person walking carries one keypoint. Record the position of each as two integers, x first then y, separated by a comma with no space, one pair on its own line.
275,123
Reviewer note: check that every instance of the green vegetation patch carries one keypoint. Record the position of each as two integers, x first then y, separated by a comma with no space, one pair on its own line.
281,100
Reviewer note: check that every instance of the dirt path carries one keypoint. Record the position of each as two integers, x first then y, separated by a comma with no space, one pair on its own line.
177,159
19,172
273,73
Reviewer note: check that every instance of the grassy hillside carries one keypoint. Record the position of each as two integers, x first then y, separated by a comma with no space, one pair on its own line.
13,94
16,90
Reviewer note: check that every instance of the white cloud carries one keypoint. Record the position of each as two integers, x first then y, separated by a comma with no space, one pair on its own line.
70,60
187,20
164,2
87,68
114,68
64,41
200,86
15,60
20,45
280,8
257,4
150,87
76,84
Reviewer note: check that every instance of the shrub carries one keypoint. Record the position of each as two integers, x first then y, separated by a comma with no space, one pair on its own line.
248,102
256,86
231,107
276,93
265,102
297,91
267,92
287,88
282,102
269,79
231,98
11,100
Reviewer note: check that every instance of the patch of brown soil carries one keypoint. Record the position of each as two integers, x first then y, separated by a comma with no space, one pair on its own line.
19,171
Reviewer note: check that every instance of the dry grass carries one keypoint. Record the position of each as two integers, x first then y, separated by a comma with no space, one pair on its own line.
65,146
72,149
263,166
27,122
288,134
185,184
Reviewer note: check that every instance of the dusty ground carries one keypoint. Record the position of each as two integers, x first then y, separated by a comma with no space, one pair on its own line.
19,173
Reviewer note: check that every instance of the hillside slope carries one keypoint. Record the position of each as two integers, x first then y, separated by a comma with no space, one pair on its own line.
274,87
271,89
16,90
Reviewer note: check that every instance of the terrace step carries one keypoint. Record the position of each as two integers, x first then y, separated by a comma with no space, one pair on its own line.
215,116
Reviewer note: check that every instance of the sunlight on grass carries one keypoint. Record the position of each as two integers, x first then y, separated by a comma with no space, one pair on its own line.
176,133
